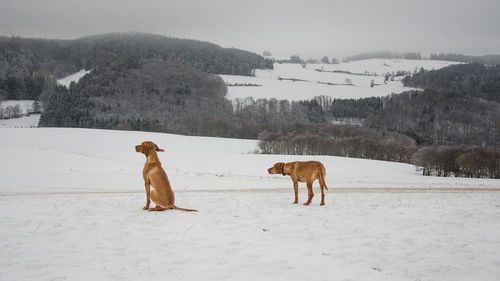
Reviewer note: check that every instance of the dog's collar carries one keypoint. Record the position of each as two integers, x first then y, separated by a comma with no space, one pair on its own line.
283,170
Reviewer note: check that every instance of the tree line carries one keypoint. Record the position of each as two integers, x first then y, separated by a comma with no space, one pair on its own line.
383,55
458,161
485,59
338,140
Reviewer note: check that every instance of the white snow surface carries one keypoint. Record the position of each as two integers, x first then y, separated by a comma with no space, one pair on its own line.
71,209
30,121
271,87
75,77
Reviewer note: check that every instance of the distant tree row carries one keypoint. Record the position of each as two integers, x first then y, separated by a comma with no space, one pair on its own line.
458,161
11,112
298,60
383,55
487,59
15,111
338,140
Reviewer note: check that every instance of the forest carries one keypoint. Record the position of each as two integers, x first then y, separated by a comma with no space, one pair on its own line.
30,67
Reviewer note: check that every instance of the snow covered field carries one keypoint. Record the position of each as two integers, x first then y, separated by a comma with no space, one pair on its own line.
315,82
71,209
25,106
30,121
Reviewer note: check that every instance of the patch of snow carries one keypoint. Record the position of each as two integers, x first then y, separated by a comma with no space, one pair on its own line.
75,77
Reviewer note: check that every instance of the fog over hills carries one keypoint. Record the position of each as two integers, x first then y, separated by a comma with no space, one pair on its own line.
310,28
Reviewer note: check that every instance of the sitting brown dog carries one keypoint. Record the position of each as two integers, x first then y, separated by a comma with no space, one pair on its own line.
303,172
154,175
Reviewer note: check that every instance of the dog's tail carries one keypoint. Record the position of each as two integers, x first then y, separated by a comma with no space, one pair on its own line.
322,177
183,209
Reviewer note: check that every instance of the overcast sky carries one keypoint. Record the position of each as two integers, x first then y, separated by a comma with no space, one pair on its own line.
311,28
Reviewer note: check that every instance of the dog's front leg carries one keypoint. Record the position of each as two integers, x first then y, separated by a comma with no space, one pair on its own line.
148,195
310,193
296,190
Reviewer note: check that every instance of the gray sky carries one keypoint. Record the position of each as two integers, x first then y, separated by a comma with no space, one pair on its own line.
312,28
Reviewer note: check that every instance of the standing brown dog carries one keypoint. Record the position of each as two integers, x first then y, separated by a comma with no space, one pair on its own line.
303,172
154,175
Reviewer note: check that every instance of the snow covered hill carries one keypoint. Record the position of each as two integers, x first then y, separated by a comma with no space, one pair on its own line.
71,209
63,159
327,79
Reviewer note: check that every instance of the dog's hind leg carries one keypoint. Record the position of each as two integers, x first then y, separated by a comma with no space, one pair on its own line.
322,184
322,193
154,198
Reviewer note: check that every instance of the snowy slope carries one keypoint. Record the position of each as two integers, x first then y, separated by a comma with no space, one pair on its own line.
71,209
101,160
315,82
75,77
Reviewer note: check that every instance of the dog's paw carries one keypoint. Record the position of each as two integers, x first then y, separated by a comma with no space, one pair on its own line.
145,207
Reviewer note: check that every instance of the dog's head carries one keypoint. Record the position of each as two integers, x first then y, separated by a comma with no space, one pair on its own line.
277,168
146,147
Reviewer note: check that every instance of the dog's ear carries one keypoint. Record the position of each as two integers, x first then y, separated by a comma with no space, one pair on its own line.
155,147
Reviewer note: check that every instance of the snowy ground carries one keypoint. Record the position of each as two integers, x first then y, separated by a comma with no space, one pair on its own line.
251,236
30,121
71,209
269,86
